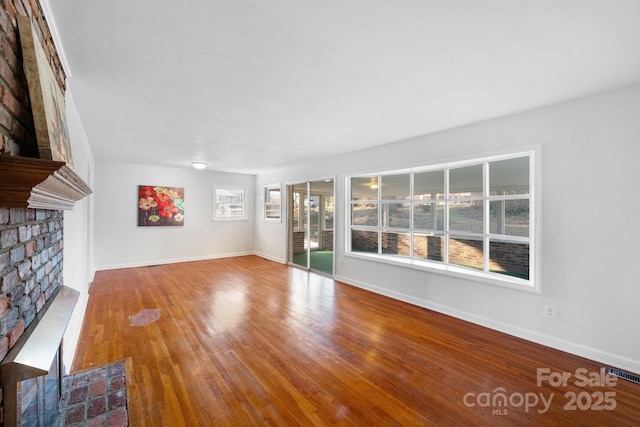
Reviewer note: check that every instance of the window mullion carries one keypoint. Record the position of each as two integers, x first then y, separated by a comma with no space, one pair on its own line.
446,216
485,216
411,199
380,204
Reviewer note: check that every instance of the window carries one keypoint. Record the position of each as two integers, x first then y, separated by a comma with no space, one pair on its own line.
272,204
297,216
472,218
229,204
329,208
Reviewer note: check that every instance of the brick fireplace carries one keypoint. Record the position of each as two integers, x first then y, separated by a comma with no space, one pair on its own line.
31,236
33,191
31,265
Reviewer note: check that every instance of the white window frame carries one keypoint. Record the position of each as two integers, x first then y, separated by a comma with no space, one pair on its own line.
269,206
217,216
484,275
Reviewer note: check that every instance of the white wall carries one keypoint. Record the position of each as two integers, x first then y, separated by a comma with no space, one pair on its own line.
121,243
589,268
268,234
78,229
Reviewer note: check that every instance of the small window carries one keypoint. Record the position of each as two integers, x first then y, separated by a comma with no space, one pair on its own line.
272,203
229,204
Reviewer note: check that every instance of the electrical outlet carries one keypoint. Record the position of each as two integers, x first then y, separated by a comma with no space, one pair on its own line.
550,311
156,250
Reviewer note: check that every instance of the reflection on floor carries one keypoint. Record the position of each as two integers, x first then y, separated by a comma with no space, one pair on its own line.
320,261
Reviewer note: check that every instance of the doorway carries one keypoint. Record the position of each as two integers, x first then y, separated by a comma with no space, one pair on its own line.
310,225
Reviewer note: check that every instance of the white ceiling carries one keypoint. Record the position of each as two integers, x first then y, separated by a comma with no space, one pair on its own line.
253,85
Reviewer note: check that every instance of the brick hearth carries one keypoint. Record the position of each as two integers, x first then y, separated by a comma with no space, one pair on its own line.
95,398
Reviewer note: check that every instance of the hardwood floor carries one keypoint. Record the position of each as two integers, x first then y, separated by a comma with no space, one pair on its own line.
245,341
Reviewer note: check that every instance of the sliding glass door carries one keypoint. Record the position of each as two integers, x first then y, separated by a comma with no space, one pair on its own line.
310,225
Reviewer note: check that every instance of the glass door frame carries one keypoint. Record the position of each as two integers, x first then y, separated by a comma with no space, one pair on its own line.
305,205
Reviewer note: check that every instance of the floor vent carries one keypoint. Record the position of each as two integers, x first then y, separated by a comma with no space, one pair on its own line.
624,375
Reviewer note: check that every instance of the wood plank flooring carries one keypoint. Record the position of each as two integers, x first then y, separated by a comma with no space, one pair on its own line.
245,341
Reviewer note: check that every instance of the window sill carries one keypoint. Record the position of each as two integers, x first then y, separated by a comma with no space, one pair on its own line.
451,270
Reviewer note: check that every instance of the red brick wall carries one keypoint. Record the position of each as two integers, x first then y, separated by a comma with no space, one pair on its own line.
298,242
30,268
511,257
30,240
505,257
17,132
327,240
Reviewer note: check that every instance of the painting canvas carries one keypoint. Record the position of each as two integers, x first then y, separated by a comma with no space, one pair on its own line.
160,206
47,100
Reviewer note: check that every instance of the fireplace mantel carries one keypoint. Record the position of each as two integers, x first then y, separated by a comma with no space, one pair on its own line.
39,184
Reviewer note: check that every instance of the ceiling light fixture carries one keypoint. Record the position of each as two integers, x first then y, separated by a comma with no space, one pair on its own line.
199,165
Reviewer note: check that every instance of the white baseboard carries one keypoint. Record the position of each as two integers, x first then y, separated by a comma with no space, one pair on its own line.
148,263
591,353
270,258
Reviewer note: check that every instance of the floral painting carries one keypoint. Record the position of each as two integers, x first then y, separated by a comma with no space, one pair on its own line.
160,206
